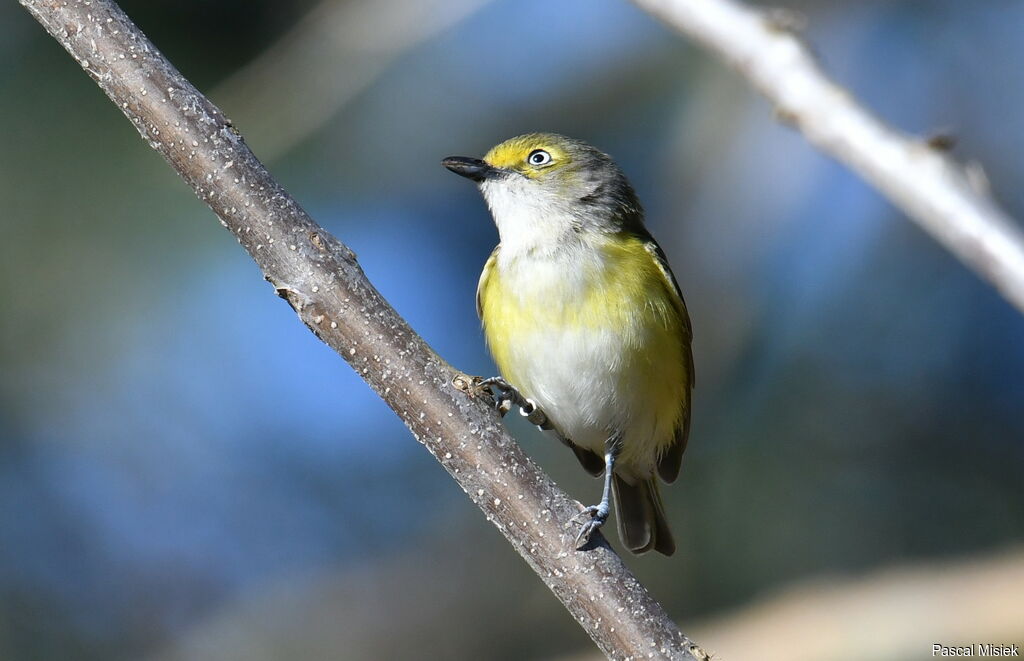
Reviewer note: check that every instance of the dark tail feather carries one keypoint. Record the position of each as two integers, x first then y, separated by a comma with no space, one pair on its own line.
664,542
641,517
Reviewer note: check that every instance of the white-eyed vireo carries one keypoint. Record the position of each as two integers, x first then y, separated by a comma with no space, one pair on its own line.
586,322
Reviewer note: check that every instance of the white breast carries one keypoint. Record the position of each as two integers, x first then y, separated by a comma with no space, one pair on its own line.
585,378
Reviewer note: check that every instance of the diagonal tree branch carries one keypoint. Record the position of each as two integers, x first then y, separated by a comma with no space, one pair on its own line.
931,189
320,278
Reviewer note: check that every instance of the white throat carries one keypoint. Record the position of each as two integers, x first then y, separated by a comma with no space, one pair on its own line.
529,219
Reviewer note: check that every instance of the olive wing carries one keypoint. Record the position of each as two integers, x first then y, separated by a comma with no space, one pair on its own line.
670,461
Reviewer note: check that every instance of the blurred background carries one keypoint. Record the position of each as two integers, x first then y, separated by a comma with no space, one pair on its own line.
187,473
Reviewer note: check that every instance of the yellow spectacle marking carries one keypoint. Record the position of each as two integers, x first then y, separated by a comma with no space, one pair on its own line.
511,154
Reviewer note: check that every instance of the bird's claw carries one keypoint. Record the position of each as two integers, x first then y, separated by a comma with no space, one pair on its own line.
598,517
506,396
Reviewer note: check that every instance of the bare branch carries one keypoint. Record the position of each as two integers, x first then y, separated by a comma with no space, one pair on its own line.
916,176
320,278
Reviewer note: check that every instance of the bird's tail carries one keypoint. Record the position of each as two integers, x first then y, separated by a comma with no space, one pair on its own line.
641,517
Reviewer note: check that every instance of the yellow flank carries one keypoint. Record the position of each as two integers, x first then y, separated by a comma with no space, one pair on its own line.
624,295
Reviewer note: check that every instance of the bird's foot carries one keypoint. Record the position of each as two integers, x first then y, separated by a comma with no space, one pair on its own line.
506,396
504,393
598,517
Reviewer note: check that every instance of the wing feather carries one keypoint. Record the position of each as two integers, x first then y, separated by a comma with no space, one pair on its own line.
670,461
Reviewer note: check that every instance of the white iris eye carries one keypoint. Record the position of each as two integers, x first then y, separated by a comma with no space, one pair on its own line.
538,157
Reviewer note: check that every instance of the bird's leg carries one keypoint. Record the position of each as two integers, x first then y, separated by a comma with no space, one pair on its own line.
508,396
599,513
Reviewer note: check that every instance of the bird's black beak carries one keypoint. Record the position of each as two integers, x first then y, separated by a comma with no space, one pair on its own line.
470,168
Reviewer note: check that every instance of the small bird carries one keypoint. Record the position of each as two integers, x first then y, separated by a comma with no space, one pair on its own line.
586,323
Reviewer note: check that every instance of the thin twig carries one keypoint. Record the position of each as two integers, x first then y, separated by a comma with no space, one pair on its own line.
937,193
320,278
